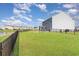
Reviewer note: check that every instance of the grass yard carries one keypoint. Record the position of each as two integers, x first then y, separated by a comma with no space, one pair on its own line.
6,34
47,44
2,38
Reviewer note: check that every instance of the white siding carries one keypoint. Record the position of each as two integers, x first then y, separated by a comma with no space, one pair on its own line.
62,21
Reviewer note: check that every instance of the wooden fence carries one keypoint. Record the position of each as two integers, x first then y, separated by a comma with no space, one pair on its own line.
7,45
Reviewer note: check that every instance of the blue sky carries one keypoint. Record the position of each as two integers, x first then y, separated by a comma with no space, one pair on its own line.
33,14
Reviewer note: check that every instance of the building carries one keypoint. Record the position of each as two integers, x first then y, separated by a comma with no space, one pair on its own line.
59,22
10,27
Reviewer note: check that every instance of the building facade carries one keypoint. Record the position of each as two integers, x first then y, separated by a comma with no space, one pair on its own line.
59,22
47,25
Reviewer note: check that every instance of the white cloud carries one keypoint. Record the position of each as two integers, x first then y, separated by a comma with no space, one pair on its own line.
73,11
17,11
55,11
26,6
24,17
20,9
72,8
30,16
3,20
76,17
12,18
13,22
42,7
19,14
40,20
68,5
23,6
27,18
16,21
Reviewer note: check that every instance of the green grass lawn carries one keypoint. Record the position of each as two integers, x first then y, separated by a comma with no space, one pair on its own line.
7,34
2,38
47,44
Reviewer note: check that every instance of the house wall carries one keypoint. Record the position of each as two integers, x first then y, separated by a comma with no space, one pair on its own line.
47,25
63,21
59,22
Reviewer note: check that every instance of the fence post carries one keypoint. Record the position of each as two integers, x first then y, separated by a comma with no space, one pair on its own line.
0,49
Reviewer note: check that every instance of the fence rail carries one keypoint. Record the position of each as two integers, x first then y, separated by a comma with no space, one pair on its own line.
7,45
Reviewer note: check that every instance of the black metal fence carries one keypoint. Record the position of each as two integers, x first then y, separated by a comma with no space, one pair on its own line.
7,45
